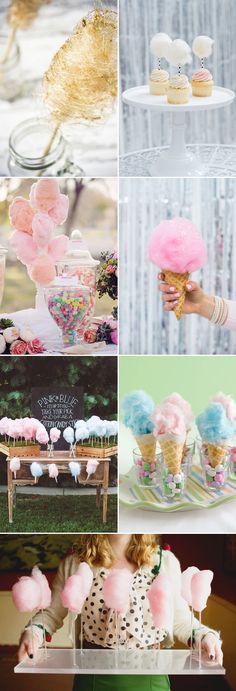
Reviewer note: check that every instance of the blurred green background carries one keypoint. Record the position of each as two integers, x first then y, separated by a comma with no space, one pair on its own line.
92,209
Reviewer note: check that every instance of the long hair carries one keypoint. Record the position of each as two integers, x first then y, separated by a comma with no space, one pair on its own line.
96,549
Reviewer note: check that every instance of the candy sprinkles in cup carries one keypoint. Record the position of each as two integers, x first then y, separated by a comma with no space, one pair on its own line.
69,303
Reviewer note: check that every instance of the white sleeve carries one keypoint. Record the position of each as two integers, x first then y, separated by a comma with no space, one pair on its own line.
230,322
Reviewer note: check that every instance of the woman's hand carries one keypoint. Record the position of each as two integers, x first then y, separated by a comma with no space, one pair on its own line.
211,645
193,300
28,645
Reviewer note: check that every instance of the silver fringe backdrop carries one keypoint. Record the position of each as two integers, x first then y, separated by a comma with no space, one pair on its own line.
211,203
139,21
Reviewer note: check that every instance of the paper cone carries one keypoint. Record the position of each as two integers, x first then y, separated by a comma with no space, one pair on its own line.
216,454
179,282
173,454
147,447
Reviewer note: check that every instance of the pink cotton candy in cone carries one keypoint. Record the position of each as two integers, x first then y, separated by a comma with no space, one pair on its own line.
176,245
26,594
116,590
91,467
160,600
87,577
41,580
186,579
72,595
201,589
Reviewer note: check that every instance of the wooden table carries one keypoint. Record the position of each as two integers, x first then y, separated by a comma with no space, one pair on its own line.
61,458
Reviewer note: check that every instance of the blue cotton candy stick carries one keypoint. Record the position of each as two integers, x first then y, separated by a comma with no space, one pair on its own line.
213,424
137,410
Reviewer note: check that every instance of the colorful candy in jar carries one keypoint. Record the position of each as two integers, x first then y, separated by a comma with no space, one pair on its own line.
68,306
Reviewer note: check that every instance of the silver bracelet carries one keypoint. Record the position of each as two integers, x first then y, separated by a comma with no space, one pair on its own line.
220,311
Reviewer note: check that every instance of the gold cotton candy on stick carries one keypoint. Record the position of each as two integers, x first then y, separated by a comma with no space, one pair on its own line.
81,82
21,14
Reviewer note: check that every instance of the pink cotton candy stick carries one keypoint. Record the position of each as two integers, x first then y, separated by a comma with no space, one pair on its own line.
54,434
26,595
91,467
116,593
72,595
161,601
87,577
201,589
186,591
46,596
53,471
176,245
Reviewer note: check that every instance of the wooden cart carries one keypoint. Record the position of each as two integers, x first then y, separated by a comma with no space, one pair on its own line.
61,458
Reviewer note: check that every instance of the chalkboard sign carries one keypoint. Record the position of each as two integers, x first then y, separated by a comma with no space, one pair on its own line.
57,407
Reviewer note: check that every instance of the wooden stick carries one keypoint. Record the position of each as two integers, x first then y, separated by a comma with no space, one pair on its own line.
10,41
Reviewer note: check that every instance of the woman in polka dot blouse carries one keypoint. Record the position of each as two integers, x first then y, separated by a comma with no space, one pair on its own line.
142,555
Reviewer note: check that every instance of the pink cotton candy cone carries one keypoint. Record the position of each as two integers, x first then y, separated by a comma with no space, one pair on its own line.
72,595
116,590
45,592
186,579
87,577
201,589
161,601
176,245
26,594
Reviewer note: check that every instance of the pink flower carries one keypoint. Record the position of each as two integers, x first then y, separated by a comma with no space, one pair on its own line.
114,336
21,215
110,269
18,348
34,346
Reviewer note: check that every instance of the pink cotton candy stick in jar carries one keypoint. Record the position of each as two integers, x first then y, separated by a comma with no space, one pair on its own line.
26,595
45,597
177,248
116,593
186,591
201,590
74,594
161,602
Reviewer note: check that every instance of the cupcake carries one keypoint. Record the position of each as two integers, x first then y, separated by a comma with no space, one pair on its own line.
179,89
202,83
159,82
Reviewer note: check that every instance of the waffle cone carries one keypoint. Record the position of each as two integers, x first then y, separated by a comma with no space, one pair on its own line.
179,282
173,454
216,454
147,447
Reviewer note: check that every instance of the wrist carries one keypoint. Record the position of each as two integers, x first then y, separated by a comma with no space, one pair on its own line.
206,305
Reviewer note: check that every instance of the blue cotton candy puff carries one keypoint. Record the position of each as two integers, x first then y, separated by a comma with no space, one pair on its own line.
137,409
213,424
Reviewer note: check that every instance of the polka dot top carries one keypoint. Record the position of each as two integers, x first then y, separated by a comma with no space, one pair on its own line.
135,629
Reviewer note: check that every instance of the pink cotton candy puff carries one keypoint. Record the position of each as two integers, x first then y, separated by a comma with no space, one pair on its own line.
26,594
59,212
42,435
201,589
53,471
186,578
24,247
72,595
177,245
21,215
180,402
42,271
45,194
45,592
14,465
4,425
58,247
87,577
228,403
168,419
160,600
43,228
54,434
116,590
91,467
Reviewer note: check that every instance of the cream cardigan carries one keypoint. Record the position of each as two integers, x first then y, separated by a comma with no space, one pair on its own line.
178,626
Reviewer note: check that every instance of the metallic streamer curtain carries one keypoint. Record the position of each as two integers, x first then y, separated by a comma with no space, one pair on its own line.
139,20
211,203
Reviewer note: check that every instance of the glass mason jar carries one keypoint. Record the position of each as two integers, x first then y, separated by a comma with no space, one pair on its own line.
11,81
3,253
146,473
68,304
215,465
233,463
28,151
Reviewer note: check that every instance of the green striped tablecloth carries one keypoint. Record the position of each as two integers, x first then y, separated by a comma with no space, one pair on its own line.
196,495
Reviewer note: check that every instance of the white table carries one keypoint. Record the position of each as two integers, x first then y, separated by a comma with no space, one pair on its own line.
177,160
67,661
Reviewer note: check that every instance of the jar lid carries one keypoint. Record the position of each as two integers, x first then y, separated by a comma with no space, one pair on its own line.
78,252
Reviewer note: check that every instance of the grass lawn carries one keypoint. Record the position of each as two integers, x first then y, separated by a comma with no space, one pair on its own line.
58,515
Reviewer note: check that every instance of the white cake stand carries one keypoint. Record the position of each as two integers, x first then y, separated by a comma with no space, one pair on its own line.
177,161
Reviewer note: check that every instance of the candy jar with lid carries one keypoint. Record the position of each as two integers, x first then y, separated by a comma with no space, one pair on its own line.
3,253
69,303
79,262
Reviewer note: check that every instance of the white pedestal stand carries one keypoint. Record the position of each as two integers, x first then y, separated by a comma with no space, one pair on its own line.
177,161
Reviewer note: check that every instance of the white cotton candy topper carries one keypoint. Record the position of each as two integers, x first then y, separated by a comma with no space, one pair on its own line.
159,45
202,46
178,53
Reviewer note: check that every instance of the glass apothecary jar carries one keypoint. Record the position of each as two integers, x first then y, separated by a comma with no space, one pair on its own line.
30,152
11,78
78,263
69,303
3,253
